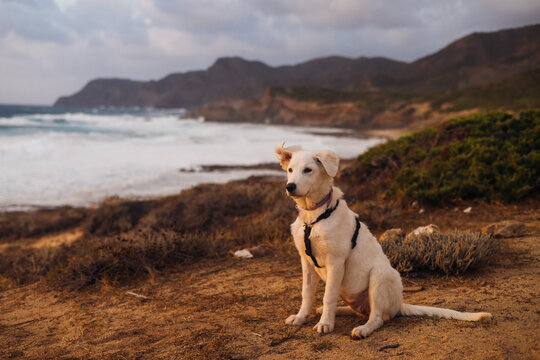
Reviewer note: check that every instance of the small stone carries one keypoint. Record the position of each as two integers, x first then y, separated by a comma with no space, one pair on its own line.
425,230
248,253
467,210
244,254
421,211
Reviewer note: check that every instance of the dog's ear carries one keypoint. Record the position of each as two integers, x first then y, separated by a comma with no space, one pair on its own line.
329,161
285,154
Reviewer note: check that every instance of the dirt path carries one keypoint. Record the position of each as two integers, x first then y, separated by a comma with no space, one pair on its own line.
234,309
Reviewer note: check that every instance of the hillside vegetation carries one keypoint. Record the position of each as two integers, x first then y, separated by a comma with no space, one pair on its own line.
517,92
521,91
376,109
123,240
495,156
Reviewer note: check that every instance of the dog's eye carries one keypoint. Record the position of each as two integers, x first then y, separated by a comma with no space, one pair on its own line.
307,170
290,170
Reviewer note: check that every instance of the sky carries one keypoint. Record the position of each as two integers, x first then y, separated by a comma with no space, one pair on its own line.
50,48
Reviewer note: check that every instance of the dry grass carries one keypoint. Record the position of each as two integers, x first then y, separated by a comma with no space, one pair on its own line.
450,253
19,224
121,258
124,240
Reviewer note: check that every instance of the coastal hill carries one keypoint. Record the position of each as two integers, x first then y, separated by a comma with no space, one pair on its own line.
228,77
474,60
376,110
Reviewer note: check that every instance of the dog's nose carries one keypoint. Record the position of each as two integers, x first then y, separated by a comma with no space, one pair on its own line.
290,187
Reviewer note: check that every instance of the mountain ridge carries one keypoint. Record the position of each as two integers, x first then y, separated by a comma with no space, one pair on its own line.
475,59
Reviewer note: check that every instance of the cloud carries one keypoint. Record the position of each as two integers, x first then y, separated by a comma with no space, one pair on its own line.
343,14
34,21
50,48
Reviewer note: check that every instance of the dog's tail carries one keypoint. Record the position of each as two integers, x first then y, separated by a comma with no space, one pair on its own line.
416,310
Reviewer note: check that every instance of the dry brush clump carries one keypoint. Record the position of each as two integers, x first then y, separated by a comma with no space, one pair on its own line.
450,253
127,256
24,265
20,224
124,240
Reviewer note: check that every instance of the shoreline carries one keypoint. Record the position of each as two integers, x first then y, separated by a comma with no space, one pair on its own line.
389,133
29,208
207,169
153,160
225,168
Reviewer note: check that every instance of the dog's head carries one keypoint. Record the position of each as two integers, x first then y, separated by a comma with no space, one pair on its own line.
307,171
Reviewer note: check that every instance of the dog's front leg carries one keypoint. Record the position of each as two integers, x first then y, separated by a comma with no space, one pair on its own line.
309,285
334,277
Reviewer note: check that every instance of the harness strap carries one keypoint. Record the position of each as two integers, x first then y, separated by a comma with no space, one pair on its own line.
307,233
307,243
355,235
326,214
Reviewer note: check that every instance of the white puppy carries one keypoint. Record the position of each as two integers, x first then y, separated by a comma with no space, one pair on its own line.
337,248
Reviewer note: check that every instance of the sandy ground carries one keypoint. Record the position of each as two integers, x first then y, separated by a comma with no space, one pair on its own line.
235,309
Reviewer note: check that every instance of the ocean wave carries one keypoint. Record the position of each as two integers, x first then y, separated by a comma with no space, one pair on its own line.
78,158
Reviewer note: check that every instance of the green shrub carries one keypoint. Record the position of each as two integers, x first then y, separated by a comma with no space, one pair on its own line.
517,92
495,156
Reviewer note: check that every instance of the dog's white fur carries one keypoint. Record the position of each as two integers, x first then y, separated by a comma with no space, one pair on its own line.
362,276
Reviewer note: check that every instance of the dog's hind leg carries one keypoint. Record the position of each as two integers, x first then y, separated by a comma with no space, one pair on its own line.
385,299
374,322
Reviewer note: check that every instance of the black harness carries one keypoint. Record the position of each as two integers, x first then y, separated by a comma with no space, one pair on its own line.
325,215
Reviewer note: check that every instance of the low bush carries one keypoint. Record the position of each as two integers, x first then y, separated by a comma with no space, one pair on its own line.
517,92
128,256
19,224
450,253
495,156
126,239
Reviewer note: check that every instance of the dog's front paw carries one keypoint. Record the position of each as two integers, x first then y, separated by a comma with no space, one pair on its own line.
295,320
324,327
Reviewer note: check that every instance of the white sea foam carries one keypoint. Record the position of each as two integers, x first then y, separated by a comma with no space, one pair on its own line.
80,158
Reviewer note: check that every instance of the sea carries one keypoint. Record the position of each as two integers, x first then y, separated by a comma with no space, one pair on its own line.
52,156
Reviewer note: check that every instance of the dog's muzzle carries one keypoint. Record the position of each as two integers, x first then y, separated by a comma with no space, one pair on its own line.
290,188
